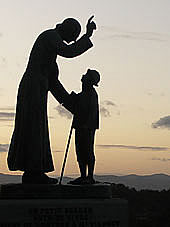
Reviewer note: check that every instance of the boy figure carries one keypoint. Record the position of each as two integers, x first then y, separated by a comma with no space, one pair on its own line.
85,123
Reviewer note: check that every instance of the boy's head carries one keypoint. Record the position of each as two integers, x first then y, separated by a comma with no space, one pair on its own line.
92,77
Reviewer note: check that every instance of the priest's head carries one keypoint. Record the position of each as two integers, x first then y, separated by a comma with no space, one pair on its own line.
69,29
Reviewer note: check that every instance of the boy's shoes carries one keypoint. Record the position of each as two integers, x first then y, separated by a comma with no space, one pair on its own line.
77,181
83,181
90,180
38,179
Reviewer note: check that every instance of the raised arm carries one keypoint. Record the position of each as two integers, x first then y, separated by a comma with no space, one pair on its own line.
75,49
56,37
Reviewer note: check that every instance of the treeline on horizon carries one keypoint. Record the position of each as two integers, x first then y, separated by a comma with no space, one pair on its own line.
147,208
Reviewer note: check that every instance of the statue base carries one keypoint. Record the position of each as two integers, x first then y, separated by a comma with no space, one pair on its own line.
55,191
78,206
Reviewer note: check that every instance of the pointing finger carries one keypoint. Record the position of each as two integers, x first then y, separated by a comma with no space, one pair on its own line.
89,20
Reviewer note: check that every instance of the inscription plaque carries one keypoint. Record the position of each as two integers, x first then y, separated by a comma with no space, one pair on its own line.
63,213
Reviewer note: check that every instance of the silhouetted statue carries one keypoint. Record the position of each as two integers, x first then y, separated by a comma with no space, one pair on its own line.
85,122
29,150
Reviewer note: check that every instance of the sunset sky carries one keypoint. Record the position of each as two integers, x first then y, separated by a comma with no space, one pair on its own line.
131,51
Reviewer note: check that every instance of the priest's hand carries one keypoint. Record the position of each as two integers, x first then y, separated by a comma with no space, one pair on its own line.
90,27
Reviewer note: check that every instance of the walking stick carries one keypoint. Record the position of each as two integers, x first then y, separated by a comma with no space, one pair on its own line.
65,158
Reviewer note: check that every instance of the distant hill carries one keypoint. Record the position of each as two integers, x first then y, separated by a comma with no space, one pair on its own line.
15,179
153,182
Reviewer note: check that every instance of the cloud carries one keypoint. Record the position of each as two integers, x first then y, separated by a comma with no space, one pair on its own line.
163,122
161,94
8,108
3,59
105,108
7,116
132,147
109,103
4,147
149,93
104,112
117,33
57,151
161,159
3,62
63,112
1,34
50,117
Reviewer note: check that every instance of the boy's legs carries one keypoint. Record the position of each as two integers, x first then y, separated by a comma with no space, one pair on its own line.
91,169
84,142
83,169
85,152
91,156
81,143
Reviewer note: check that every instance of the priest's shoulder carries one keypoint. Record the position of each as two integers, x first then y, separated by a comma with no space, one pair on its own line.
50,33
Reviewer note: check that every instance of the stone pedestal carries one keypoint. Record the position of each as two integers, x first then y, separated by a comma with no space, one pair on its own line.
26,206
35,191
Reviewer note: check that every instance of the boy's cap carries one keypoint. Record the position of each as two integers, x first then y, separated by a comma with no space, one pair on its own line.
95,76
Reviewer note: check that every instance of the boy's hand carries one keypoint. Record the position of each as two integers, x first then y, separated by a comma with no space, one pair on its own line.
73,95
90,27
71,102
